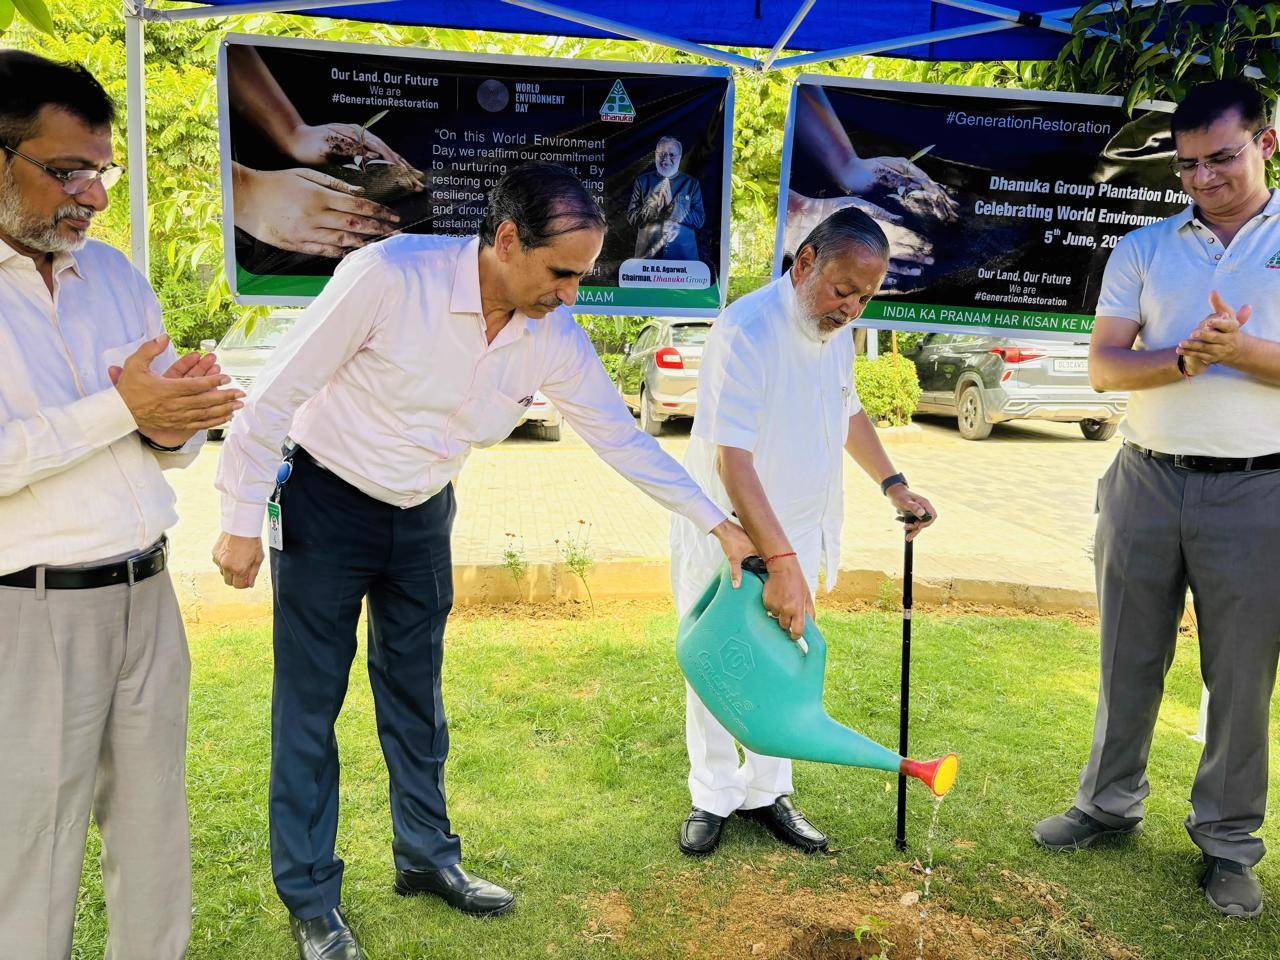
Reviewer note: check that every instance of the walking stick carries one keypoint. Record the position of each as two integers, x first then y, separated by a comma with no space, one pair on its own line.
904,706
905,694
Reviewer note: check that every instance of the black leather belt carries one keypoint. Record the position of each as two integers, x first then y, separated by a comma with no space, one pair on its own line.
131,571
1192,461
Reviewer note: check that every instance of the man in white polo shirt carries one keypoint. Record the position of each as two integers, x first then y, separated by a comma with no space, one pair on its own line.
419,349
1193,497
93,659
777,411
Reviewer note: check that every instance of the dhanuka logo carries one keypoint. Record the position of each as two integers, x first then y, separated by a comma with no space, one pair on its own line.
736,659
1274,262
618,107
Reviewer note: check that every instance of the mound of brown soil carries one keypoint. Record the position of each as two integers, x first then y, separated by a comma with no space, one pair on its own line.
763,915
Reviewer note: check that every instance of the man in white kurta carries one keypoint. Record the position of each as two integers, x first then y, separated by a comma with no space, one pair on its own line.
776,406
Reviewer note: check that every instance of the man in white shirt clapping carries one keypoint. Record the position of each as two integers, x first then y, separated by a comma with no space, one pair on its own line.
777,411
93,691
420,348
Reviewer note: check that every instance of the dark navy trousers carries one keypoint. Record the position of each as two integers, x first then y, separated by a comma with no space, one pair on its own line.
341,547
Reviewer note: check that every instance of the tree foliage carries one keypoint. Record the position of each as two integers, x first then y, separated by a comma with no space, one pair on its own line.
33,12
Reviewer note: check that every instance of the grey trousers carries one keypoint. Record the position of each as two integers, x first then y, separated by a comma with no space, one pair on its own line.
93,716
1161,529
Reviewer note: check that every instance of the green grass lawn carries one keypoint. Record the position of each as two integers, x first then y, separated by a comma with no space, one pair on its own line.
567,783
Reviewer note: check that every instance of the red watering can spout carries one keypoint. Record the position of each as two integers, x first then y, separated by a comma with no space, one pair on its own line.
938,775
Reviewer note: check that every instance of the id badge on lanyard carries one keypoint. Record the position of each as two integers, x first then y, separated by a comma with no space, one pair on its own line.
275,516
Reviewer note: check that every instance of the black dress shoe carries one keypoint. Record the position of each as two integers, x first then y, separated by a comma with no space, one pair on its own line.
327,937
700,833
784,821
459,889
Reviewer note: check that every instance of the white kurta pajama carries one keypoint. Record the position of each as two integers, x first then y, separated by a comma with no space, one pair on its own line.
767,386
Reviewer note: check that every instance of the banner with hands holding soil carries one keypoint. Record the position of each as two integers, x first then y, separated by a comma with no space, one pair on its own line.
1000,206
329,147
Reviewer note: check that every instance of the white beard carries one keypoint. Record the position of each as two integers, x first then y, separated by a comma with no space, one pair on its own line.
810,324
34,234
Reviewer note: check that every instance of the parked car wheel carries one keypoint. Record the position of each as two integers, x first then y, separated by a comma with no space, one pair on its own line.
549,431
1097,429
648,422
971,416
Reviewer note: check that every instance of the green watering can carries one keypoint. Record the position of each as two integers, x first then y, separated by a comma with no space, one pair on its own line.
767,692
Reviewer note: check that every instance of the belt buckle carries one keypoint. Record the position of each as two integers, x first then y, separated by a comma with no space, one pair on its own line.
128,569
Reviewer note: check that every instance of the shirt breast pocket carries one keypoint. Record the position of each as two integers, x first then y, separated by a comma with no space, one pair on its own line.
485,420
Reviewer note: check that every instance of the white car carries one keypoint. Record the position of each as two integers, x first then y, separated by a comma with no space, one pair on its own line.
543,413
243,353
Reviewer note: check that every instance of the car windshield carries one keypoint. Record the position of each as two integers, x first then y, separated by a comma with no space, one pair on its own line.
266,333
690,334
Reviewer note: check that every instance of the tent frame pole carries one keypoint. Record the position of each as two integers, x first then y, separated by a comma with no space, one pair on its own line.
787,34
883,46
251,6
136,130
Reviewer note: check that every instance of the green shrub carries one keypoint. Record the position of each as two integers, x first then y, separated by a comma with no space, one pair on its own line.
907,339
888,388
611,362
186,312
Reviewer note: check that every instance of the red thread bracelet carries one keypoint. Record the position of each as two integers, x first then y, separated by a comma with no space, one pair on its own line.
779,556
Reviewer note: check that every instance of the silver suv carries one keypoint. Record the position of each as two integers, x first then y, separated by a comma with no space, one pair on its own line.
658,375
982,381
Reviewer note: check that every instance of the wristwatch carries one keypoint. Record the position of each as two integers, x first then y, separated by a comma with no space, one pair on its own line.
889,481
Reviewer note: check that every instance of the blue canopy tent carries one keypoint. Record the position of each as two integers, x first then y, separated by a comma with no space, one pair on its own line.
824,29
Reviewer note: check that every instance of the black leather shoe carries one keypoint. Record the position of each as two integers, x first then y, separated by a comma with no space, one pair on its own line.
784,821
327,937
459,889
700,833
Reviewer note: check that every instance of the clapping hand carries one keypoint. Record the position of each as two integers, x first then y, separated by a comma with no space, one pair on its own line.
1218,338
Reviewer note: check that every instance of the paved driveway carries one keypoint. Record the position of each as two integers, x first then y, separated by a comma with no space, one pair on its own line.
1017,506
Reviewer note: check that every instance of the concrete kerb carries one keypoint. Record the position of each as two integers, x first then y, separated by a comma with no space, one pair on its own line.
206,599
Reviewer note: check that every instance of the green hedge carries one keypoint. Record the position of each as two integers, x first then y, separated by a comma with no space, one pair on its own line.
888,388
611,361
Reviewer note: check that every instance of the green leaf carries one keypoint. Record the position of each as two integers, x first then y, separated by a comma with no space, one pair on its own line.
1184,61
6,14
1135,95
35,13
375,118
1248,18
1153,55
1269,62
1084,11
1088,22
1105,63
1092,64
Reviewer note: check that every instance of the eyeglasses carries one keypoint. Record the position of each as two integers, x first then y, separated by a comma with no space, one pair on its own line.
1213,164
76,182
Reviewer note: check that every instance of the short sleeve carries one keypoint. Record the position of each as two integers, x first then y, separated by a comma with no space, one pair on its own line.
853,403
1122,281
739,385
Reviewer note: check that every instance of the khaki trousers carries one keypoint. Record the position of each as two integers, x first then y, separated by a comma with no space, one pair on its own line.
93,718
